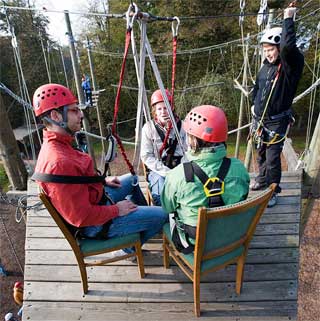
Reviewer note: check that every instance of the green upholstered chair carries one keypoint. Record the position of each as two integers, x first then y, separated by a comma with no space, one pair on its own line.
222,238
84,248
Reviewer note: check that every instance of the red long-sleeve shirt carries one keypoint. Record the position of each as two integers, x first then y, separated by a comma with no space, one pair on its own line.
77,203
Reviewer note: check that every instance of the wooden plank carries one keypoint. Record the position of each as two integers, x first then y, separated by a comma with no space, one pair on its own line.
159,292
241,311
154,258
285,204
157,274
273,241
283,174
117,293
262,229
284,192
284,213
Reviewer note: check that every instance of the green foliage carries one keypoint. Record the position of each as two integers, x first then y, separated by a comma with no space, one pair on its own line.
194,70
27,26
4,181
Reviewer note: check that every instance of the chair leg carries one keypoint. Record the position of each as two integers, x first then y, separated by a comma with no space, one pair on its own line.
84,277
140,259
166,261
196,294
239,276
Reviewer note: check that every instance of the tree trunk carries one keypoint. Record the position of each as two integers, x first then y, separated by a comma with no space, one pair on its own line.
10,154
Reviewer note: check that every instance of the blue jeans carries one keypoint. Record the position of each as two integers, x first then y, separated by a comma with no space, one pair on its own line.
146,220
156,183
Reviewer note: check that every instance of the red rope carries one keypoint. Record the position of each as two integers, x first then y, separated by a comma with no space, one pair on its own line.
174,63
173,75
116,104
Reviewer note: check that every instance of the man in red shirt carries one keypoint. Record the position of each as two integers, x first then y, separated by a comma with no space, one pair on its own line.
80,204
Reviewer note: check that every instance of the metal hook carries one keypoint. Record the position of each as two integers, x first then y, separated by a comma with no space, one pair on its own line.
129,17
174,27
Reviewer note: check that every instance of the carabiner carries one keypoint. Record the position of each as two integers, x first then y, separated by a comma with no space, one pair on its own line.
215,190
175,28
129,17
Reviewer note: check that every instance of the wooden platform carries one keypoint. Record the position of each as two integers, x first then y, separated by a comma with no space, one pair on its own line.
53,290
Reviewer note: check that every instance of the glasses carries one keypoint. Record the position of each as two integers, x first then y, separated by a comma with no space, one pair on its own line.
75,110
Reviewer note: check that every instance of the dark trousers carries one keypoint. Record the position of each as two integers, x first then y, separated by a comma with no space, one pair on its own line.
269,155
269,162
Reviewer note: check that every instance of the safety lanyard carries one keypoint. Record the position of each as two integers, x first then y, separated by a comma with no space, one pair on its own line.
260,124
173,78
214,186
116,104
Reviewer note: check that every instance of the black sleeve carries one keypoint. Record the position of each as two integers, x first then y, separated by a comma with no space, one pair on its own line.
255,90
289,52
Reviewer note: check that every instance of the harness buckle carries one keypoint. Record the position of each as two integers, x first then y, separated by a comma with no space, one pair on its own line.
214,191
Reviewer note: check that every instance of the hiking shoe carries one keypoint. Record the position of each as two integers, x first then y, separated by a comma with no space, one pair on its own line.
273,200
256,186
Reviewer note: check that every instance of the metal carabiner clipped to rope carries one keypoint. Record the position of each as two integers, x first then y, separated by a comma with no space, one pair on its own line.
133,8
175,26
241,16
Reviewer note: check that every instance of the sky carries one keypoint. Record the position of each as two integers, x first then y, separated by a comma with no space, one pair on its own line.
57,26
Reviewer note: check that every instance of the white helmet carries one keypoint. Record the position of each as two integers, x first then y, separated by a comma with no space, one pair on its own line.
272,36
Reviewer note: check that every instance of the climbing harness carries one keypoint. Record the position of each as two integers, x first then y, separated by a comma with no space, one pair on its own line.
168,159
213,188
257,132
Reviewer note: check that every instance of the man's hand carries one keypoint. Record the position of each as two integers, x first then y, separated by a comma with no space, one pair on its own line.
113,181
125,207
289,12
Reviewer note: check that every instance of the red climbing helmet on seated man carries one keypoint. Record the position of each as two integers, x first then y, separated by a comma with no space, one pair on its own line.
158,98
52,96
208,123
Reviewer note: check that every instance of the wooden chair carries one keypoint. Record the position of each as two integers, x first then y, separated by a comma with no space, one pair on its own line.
84,248
222,238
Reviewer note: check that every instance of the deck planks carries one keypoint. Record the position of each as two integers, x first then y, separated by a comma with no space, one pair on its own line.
53,287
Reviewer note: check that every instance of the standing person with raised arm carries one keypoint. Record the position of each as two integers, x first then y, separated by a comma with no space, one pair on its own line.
273,93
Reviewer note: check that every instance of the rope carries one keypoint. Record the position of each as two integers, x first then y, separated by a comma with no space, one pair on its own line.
116,105
313,94
173,77
10,242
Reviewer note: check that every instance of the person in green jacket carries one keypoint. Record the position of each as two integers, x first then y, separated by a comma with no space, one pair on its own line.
207,130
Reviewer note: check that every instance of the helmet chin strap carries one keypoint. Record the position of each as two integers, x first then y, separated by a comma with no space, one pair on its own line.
64,123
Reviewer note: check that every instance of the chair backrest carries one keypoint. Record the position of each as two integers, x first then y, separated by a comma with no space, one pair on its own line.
66,228
223,229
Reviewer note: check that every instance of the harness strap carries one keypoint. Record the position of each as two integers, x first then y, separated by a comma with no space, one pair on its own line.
67,179
164,138
184,245
214,187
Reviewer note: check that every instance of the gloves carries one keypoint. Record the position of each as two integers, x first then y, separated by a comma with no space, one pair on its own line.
289,12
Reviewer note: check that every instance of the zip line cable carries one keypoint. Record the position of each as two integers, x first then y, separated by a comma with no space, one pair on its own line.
23,88
150,16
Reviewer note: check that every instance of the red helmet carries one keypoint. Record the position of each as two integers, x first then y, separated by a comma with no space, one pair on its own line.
157,97
51,96
208,123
